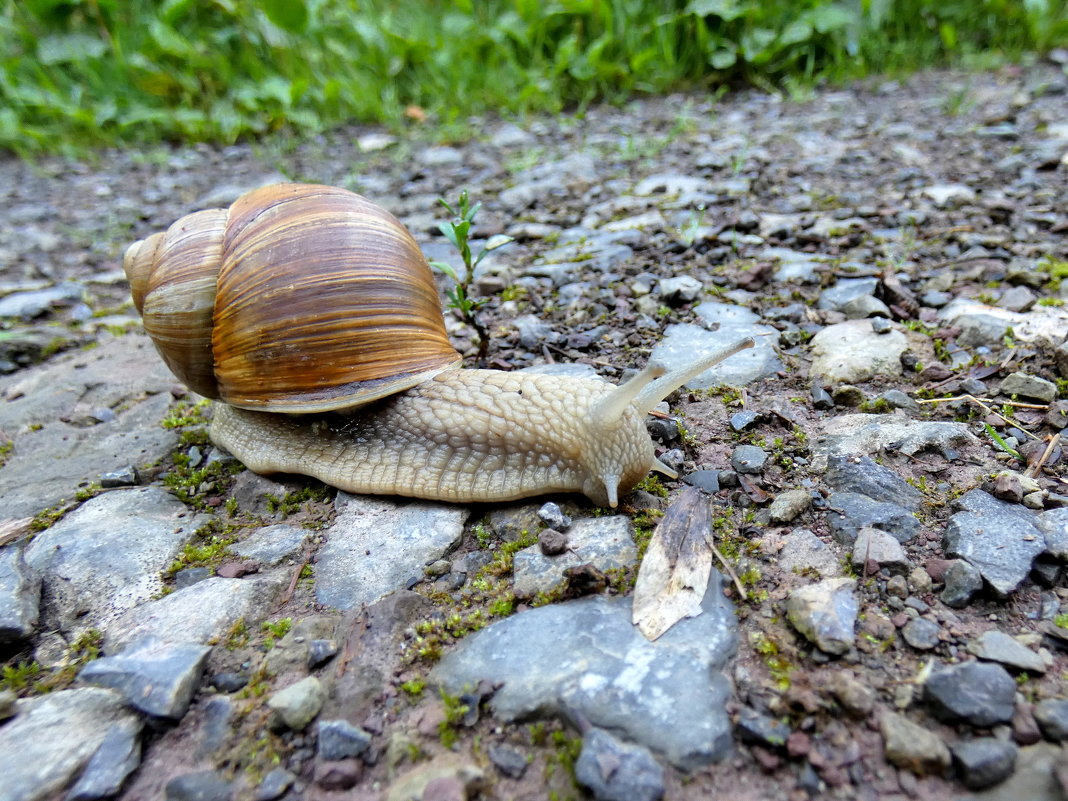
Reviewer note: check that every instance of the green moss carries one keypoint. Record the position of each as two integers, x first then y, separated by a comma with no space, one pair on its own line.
6,448
208,547
1061,620
645,523
653,485
275,630
292,502
414,687
185,414
237,636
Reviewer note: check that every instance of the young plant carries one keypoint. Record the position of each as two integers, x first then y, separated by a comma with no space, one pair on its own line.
457,230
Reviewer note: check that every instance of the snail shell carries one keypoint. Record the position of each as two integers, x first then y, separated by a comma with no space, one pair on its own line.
298,298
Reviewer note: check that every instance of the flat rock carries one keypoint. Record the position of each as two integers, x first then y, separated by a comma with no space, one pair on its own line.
871,433
845,291
984,761
999,539
858,473
1053,523
997,646
50,458
375,545
911,746
825,613
605,542
272,544
849,512
53,737
683,340
803,550
105,557
201,613
586,656
117,757
851,352
1041,325
877,546
20,596
157,678
788,505
299,703
979,693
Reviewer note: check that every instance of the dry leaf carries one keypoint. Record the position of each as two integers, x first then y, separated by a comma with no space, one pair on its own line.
674,573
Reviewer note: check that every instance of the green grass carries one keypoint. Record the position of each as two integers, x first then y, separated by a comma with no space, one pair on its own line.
77,73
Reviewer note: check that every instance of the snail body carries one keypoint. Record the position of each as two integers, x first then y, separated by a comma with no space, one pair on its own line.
312,314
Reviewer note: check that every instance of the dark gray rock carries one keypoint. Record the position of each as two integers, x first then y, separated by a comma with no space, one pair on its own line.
921,633
755,727
1029,386
190,576
216,726
984,762
229,682
844,290
849,512
1052,717
116,758
585,655
34,303
962,582
158,678
617,771
553,516
825,613
126,477
979,693
20,596
707,480
999,539
204,785
509,761
748,459
743,419
339,739
856,473
320,652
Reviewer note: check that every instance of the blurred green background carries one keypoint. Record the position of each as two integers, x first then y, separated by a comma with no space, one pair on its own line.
83,73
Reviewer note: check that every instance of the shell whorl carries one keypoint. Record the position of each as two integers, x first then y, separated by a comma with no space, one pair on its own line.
294,299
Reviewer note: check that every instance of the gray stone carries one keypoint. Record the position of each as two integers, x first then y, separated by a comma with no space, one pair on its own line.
1017,299
1029,386
204,785
617,771
105,557
962,582
865,306
271,544
912,747
849,512
20,596
877,546
605,542
1052,717
748,459
997,646
788,505
511,135
921,633
979,693
857,473
670,184
1061,356
679,290
986,325
871,433
34,303
1053,524
274,785
157,678
845,290
339,739
984,761
553,516
54,736
51,457
299,703
899,400
947,196
999,539
197,614
533,331
825,613
682,341
751,726
803,550
509,761
586,656
851,353
116,758
374,545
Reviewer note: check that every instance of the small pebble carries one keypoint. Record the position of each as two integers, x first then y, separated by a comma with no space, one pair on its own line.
984,762
552,542
553,516
320,652
748,459
921,633
509,761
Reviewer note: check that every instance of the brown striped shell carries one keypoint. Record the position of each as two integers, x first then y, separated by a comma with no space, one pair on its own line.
298,298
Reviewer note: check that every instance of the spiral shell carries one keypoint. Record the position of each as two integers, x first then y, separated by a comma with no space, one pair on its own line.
298,298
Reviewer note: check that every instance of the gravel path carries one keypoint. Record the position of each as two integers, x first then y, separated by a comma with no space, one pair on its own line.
886,470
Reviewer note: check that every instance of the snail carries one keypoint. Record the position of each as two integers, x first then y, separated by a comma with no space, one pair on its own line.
311,313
